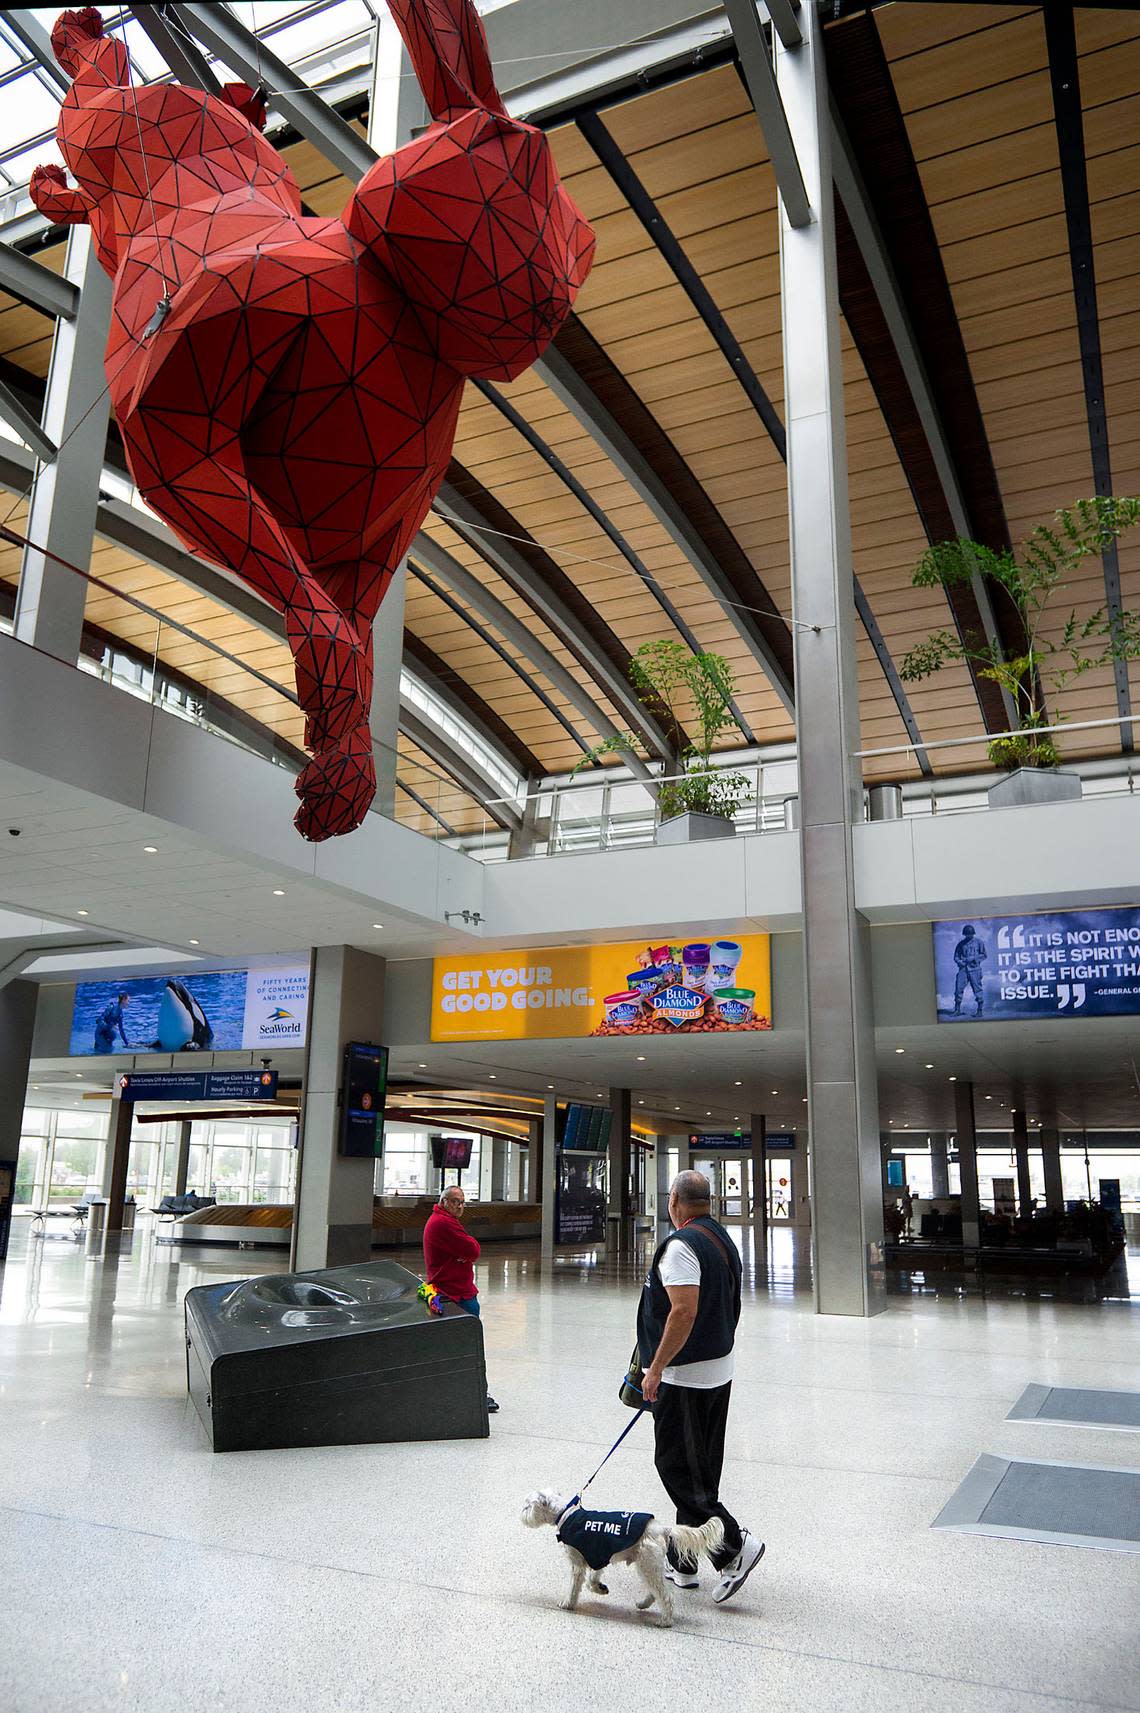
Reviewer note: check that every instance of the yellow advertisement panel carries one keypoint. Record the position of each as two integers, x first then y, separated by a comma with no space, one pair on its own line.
690,986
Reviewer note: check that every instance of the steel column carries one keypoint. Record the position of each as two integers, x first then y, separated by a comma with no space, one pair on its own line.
1051,1161
785,147
182,1164
65,494
759,1198
385,712
545,1151
1021,1154
847,1223
36,285
939,1167
967,1163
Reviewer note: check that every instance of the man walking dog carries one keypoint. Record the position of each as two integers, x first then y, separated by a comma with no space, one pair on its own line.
686,1328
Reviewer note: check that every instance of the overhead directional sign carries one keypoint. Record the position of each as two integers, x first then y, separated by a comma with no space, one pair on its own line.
1071,963
197,1085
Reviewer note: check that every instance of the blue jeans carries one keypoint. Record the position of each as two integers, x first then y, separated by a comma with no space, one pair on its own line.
470,1305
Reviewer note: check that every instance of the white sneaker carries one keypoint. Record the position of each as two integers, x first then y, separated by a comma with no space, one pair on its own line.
735,1575
682,1578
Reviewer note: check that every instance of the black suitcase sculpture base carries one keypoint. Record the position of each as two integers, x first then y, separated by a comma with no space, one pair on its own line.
347,1356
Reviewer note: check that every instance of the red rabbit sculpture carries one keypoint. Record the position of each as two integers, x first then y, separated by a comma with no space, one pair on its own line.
287,387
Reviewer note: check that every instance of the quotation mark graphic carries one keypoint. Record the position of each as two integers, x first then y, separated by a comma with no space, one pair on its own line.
1076,992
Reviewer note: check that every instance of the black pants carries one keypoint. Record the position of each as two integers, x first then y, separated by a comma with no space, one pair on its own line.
688,1429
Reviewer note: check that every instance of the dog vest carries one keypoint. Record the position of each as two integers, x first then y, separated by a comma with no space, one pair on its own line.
598,1535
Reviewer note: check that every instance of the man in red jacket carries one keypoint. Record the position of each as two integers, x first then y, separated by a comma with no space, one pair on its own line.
450,1254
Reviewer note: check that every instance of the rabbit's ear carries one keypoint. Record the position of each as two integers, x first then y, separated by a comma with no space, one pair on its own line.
448,48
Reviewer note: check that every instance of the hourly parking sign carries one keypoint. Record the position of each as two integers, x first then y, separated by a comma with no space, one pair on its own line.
1073,963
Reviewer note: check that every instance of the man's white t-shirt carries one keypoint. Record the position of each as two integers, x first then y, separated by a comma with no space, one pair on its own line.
679,1265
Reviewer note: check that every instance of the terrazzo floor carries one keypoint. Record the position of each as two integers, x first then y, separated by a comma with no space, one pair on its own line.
140,1572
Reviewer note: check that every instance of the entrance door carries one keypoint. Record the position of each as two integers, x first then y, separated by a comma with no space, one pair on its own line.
779,1190
711,1169
728,1180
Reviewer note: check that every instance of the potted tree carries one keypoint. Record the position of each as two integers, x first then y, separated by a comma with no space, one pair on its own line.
692,690
1033,580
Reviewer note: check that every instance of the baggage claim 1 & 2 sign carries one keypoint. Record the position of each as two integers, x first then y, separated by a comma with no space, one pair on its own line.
1073,963
689,986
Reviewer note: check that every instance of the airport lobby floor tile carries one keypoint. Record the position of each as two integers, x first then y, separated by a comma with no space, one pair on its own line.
142,1572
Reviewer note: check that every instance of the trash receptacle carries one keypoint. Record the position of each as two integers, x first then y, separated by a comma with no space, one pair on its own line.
96,1218
129,1207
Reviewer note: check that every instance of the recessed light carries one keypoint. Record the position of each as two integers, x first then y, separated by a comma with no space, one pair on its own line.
803,1102
421,1067
989,1097
708,1114
377,924
491,1074
151,850
953,1079
930,1067
83,912
550,1085
195,942
278,892
900,1049
775,1091
641,1058
676,1109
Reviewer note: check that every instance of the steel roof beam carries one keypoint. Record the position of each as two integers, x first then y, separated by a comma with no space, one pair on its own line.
26,424
761,81
512,563
24,25
783,16
572,390
1065,78
469,708
465,584
584,497
459,766
218,29
876,258
185,59
37,286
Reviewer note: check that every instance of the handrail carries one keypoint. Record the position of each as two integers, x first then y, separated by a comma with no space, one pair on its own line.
993,737
14,537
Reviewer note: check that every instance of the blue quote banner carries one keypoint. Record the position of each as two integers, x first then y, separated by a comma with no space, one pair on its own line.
1071,963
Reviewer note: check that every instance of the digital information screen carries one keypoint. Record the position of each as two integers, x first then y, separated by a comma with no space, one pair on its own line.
363,1093
587,1128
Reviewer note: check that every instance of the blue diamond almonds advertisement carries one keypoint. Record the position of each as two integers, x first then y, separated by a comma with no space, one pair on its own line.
1071,963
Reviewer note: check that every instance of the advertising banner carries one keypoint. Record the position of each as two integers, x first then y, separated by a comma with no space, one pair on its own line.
204,1011
688,986
198,1085
1072,963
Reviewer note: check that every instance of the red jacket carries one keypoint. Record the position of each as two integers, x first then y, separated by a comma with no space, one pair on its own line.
448,1255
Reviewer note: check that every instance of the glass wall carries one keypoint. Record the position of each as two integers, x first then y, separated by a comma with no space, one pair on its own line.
62,1155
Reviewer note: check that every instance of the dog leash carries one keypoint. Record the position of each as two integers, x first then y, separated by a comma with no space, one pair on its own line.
627,1429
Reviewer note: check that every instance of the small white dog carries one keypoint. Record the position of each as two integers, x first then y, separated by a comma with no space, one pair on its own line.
620,1537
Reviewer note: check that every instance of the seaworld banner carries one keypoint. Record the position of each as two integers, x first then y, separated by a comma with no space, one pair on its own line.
212,1012
1072,963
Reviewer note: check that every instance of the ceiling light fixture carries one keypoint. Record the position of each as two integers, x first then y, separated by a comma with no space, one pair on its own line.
930,1067
641,1058
953,1079
83,912
151,850
738,1085
278,892
900,1049
377,924
195,942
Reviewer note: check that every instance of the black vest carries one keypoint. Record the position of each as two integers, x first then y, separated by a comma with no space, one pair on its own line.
597,1535
718,1306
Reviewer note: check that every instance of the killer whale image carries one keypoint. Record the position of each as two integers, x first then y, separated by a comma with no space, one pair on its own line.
183,1026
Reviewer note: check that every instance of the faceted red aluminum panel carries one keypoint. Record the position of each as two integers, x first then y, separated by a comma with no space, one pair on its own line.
287,387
